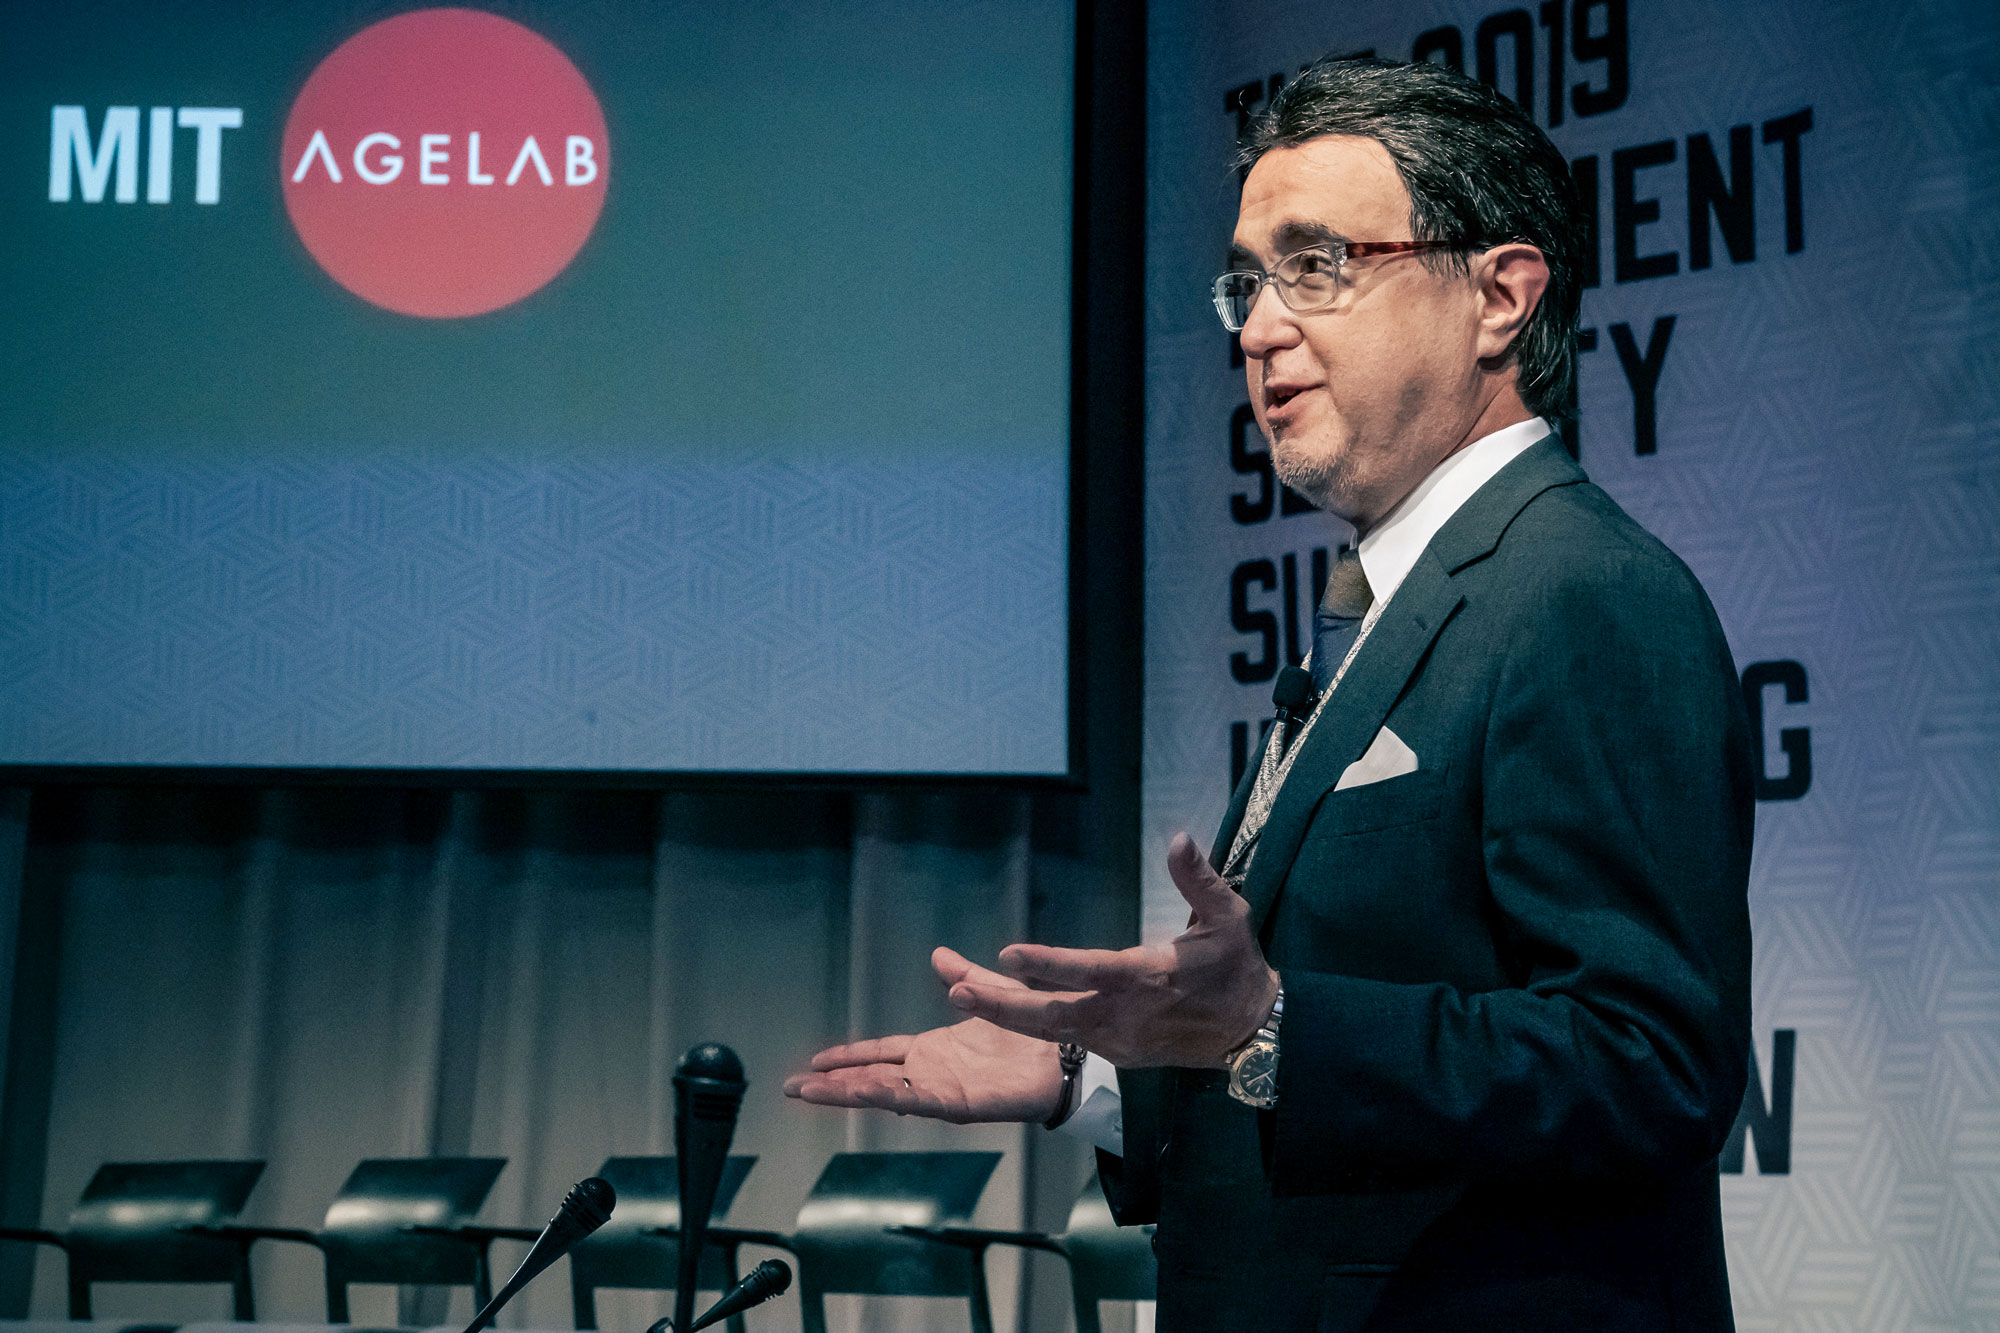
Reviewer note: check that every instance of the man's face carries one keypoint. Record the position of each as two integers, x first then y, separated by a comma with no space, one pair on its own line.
1359,400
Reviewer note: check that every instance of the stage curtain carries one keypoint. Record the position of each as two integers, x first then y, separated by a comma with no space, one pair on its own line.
314,976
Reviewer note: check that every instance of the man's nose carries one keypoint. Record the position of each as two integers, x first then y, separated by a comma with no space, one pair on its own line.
1270,325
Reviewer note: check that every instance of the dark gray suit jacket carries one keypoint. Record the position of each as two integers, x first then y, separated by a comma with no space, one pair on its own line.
1516,980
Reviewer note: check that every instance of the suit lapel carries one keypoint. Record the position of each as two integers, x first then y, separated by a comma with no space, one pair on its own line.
1352,717
1232,819
1408,624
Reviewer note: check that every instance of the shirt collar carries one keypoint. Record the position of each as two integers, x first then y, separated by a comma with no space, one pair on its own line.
1391,548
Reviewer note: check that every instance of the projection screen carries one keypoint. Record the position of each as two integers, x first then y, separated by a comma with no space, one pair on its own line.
614,388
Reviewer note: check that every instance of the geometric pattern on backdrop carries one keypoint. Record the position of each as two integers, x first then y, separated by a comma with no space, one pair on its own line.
598,614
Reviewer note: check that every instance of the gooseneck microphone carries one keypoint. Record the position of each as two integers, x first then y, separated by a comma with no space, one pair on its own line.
584,1209
766,1280
708,1094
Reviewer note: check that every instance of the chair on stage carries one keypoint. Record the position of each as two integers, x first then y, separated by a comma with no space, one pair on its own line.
404,1221
1107,1262
156,1222
640,1246
846,1242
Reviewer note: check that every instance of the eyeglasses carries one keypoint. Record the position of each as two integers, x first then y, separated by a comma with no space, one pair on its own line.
1306,280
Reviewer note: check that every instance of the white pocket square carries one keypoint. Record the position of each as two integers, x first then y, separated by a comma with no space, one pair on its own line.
1387,757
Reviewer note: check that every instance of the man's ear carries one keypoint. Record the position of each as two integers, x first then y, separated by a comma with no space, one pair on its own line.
1511,278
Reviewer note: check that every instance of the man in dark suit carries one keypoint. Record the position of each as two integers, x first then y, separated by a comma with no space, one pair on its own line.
1461,1017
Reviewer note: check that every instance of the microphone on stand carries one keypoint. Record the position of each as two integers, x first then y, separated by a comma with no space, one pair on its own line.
766,1280
708,1095
584,1209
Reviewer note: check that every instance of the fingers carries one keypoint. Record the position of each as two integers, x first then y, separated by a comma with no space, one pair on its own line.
1206,892
953,967
879,1088
1049,1015
1073,969
875,1050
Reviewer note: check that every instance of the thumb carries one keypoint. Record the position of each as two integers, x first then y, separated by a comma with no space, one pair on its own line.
1208,893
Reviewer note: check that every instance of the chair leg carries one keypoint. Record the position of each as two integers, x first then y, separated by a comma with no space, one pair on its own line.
482,1280
583,1305
982,1307
336,1296
1085,1302
79,1294
812,1306
246,1302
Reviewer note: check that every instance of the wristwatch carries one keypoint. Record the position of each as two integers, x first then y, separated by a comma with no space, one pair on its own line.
1253,1066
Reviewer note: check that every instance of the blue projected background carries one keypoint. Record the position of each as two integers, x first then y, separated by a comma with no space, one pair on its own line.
772,477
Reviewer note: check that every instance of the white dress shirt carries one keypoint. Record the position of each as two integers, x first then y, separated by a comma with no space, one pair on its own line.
1388,553
1390,550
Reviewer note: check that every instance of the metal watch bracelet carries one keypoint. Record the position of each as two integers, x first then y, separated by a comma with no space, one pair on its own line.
1253,1066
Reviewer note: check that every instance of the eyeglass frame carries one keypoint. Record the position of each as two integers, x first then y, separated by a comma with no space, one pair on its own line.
1338,251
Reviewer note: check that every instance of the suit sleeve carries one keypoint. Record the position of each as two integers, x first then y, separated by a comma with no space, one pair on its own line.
1131,1180
1615,832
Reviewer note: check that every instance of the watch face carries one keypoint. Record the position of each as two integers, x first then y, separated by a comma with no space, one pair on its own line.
1254,1076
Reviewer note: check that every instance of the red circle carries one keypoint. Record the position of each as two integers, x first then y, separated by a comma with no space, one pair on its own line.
451,245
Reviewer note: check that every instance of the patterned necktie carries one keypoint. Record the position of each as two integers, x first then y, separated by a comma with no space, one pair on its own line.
1343,610
1342,607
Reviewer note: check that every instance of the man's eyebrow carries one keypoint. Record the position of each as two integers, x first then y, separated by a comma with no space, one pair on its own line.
1291,235
1295,235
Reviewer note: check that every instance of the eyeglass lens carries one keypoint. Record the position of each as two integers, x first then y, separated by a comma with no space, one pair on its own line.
1307,280
1235,293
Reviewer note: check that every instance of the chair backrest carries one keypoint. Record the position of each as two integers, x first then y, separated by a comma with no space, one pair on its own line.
132,1223
841,1241
1107,1262
623,1253
367,1236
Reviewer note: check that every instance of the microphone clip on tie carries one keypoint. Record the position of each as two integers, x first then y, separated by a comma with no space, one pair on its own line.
1294,698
